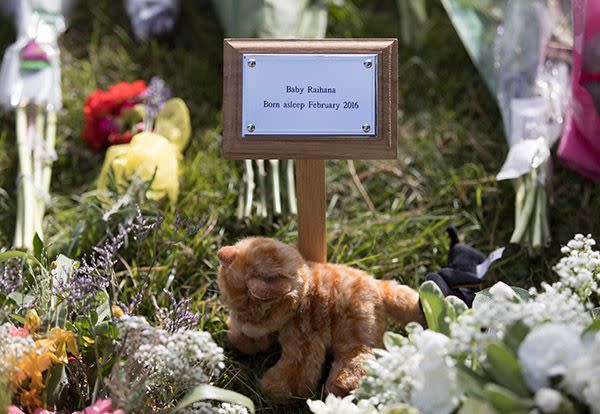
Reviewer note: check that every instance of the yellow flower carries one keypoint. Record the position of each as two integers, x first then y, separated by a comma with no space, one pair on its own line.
63,340
117,311
34,363
147,155
32,320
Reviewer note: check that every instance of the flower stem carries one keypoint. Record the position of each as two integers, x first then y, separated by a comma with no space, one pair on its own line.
291,187
276,187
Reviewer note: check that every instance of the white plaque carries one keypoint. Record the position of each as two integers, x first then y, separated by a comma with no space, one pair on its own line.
309,94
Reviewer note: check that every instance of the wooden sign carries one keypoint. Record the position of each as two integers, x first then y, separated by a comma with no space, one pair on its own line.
310,100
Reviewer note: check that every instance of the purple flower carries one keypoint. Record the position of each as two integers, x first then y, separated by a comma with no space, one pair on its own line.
11,276
156,95
93,275
178,317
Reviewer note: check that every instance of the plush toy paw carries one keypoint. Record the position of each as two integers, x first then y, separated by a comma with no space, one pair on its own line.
344,378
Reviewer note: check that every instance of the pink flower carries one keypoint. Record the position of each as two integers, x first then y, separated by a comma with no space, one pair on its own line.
14,331
101,407
14,410
42,411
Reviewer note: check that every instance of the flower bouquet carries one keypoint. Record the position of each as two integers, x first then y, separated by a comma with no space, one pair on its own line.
520,49
71,341
516,351
30,85
144,132
580,144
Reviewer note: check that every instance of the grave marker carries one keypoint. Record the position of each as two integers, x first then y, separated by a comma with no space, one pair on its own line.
310,100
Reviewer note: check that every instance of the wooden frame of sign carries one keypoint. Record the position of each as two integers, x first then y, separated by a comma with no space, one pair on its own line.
380,146
311,151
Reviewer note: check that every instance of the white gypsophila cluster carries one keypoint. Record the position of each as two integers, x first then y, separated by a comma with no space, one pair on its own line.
207,408
346,405
12,348
547,352
186,358
418,372
582,378
580,268
474,329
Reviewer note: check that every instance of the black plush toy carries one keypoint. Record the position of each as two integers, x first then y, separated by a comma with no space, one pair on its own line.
459,278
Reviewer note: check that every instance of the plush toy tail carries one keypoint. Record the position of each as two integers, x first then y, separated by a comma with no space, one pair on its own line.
401,302
453,235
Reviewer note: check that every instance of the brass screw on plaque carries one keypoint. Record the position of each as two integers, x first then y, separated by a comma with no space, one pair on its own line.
368,63
251,127
251,63
366,127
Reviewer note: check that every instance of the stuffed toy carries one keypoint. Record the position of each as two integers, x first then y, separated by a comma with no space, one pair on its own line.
312,310
460,278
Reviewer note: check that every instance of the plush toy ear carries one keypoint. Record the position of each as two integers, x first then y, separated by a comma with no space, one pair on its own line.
226,255
267,289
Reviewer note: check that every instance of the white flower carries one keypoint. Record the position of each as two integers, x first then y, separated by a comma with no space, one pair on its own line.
580,268
583,376
474,329
207,408
502,291
419,372
548,400
184,358
335,405
436,389
547,352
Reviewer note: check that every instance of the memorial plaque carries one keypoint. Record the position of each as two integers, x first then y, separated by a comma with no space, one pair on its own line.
310,98
309,95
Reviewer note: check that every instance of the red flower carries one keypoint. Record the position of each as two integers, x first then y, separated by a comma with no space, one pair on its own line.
101,110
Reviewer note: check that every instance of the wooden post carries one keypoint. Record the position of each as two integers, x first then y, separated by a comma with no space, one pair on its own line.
312,229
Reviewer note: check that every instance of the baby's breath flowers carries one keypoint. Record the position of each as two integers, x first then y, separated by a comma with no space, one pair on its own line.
417,370
580,268
180,359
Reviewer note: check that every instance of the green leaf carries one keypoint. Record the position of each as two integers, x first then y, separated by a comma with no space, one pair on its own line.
392,339
515,334
470,381
18,318
38,247
507,402
503,366
400,409
458,305
596,313
103,310
476,406
13,254
209,392
21,299
435,307
54,383
592,328
523,294
482,299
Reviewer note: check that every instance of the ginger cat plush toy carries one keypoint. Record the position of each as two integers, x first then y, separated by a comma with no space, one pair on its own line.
312,310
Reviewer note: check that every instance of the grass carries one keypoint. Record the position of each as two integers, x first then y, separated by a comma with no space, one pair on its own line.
451,145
